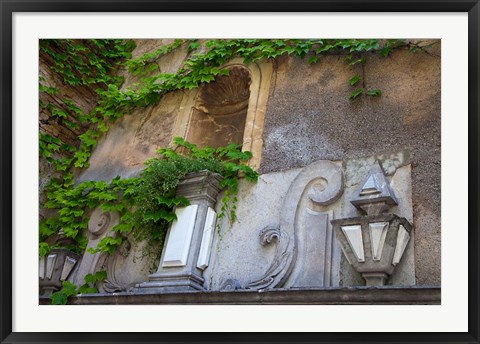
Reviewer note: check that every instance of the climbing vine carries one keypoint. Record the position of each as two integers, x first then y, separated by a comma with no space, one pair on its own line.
79,63
95,63
146,202
69,289
198,68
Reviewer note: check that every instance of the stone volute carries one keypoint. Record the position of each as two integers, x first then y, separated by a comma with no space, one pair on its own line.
375,242
189,239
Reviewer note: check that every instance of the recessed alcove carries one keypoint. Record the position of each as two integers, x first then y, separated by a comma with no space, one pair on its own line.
220,111
249,133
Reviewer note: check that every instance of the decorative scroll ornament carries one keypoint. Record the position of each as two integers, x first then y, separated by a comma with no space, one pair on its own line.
100,225
317,185
279,269
113,283
99,222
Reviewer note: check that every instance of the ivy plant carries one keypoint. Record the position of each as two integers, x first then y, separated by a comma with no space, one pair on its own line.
146,203
69,289
93,62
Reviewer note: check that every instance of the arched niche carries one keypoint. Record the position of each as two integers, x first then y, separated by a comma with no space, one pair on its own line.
223,101
220,111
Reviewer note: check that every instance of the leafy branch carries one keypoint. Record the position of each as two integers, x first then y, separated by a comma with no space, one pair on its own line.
146,203
69,289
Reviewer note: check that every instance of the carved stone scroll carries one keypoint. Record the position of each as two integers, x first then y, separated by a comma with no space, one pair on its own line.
99,226
307,214
113,282
305,241
280,267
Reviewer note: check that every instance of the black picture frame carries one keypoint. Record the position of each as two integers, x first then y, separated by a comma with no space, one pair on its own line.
8,7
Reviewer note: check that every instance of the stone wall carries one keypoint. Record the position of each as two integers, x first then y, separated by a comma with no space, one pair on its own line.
309,118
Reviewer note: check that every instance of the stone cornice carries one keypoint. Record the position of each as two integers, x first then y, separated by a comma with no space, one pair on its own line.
426,295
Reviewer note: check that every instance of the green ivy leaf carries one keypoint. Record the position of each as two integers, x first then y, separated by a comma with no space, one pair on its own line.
69,288
107,244
90,278
313,59
354,80
123,227
101,276
43,249
355,94
59,298
193,45
85,289
70,231
374,93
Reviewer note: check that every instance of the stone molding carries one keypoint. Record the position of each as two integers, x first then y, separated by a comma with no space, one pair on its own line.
171,281
426,295
199,186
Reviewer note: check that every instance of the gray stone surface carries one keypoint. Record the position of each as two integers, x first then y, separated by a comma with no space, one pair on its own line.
305,252
130,265
237,251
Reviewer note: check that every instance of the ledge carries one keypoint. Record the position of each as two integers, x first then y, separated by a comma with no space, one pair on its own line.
424,295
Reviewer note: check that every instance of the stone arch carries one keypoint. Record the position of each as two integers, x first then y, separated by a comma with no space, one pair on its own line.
225,97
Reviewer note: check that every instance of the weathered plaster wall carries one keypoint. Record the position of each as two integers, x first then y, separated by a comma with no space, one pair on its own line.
309,118
136,137
132,140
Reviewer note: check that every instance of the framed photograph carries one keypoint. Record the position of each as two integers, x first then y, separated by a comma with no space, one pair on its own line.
241,172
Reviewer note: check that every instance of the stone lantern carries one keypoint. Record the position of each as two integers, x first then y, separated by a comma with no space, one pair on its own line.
55,268
375,242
